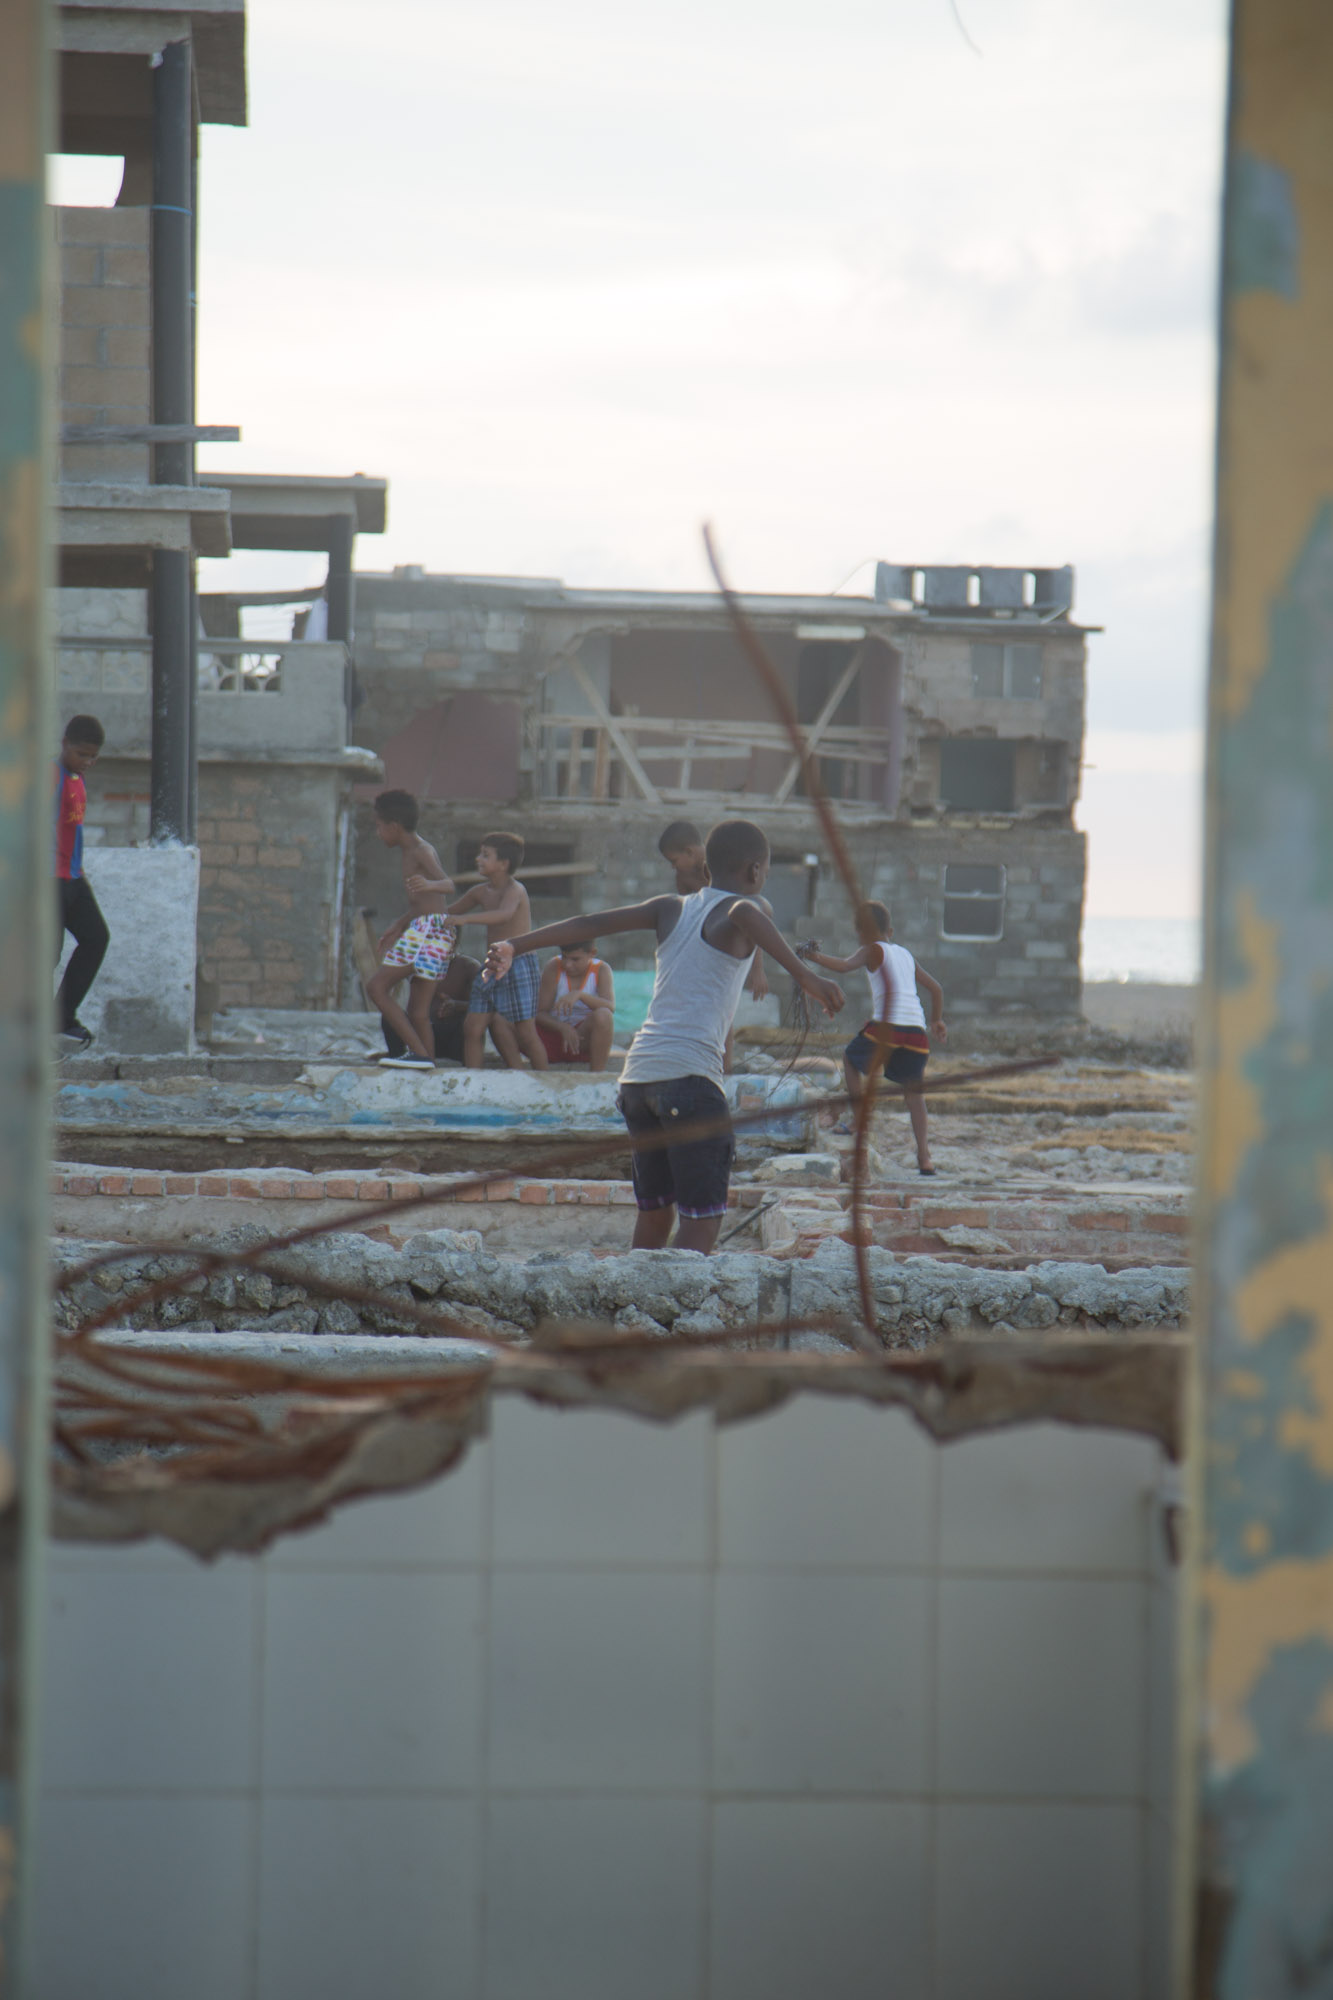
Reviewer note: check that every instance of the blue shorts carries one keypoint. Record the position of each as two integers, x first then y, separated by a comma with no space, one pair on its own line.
901,1066
513,998
693,1175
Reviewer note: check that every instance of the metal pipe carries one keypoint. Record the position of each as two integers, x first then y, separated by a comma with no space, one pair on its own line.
173,403
26,922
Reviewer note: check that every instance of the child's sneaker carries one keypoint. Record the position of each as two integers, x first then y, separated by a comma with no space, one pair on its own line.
74,1038
407,1062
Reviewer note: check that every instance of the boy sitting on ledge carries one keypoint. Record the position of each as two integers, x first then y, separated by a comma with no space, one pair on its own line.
576,1008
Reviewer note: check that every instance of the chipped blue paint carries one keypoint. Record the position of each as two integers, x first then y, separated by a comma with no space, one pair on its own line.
1264,239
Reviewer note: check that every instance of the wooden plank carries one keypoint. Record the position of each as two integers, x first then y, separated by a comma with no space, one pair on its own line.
150,434
747,735
601,766
820,725
608,721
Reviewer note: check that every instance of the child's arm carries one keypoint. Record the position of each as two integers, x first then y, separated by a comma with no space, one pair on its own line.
817,957
605,996
752,923
465,911
649,916
936,992
546,1015
757,983
430,885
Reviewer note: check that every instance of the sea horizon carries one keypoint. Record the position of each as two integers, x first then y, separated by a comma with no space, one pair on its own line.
1166,951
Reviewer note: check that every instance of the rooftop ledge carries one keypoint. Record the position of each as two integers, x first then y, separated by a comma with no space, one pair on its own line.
186,518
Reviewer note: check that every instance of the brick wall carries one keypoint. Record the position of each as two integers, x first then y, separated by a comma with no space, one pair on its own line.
268,853
105,322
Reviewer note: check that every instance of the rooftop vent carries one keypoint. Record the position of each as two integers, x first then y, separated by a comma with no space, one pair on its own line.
963,590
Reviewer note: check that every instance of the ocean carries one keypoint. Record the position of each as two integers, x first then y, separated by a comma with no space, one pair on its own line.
1162,950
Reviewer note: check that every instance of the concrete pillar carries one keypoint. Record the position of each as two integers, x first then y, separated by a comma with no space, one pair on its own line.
1265,1246
26,920
173,403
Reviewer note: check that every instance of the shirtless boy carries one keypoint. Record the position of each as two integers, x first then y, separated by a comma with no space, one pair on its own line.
507,1006
682,846
419,946
672,1078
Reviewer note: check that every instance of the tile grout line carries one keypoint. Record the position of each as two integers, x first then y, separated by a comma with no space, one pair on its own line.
256,1814
485,1641
933,1753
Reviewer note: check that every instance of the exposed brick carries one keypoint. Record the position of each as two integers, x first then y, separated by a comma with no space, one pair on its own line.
341,1187
243,1188
146,1184
310,1189
123,346
404,1190
475,1194
123,265
934,1217
373,1190
212,1184
81,1184
1166,1225
180,1183
500,1191
221,855
281,857
566,1191
536,1193
1097,1219
622,1194
79,265
233,996
113,1183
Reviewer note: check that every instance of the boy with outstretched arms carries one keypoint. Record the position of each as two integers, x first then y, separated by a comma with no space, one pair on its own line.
682,847
895,1035
507,1006
77,910
576,1007
672,1077
420,945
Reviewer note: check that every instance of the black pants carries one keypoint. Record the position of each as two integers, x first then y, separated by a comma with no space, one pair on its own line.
80,916
448,1039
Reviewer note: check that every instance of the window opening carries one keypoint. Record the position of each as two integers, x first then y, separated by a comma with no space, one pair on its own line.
1011,672
976,774
973,900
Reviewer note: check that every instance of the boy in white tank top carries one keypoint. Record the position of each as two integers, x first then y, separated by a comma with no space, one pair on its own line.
894,1039
576,1008
672,1079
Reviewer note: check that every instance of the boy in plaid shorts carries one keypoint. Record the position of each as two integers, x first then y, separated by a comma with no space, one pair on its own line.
508,1006
419,946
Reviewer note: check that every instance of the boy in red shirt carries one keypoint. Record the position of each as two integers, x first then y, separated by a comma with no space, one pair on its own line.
80,748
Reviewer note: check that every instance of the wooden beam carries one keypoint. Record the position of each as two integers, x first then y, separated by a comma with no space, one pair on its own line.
746,735
609,723
150,434
820,724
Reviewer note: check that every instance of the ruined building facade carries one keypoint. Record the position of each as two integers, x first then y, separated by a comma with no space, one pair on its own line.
948,711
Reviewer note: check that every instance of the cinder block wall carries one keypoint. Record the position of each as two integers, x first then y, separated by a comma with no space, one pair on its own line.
105,335
1034,965
799,1706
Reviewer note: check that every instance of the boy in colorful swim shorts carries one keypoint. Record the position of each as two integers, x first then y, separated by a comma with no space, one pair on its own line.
419,946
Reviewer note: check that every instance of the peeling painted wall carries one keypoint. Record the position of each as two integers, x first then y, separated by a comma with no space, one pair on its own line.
1266,1264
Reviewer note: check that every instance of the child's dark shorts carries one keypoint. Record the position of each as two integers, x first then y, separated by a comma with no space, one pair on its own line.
901,1065
694,1175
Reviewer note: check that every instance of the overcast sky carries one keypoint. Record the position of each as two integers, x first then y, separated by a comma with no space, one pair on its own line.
577,278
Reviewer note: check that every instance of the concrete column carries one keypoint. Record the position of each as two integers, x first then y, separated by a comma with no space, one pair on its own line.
1265,1244
339,588
26,921
173,403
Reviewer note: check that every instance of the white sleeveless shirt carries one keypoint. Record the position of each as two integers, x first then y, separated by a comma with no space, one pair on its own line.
694,998
893,994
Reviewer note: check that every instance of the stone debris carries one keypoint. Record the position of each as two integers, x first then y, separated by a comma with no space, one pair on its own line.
802,1169
918,1300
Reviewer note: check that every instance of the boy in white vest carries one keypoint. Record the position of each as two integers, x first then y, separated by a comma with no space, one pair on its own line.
894,1039
673,1074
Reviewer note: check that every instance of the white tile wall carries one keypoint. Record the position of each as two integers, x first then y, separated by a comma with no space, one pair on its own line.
798,1706
361,1897
822,1682
599,1896
821,1898
1041,1686
1039,1902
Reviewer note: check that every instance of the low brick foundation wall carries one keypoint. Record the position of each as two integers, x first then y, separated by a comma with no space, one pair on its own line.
1002,1229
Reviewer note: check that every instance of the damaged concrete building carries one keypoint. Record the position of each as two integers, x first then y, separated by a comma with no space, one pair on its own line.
947,710
227,771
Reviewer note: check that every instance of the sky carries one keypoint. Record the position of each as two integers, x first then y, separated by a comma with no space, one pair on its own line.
867,278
